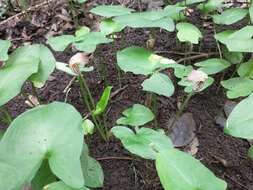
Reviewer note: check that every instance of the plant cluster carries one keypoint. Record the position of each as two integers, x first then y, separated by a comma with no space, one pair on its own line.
49,153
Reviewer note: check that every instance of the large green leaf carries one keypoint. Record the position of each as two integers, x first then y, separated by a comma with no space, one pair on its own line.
137,115
103,102
212,66
50,132
89,42
60,43
232,57
145,142
13,75
230,16
240,121
238,87
45,57
246,69
43,177
160,84
179,171
4,47
111,10
238,41
141,61
149,19
92,171
61,186
188,33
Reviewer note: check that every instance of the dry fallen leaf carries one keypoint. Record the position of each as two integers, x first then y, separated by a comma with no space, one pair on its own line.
183,131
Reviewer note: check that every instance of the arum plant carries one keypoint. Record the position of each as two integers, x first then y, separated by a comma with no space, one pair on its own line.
32,148
170,162
141,61
76,68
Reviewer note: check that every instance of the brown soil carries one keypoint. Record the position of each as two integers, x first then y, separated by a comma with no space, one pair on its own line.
224,155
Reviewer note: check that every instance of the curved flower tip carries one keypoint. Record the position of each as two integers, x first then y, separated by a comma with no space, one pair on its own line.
197,76
78,60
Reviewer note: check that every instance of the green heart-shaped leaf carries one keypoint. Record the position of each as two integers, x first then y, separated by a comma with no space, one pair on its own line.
238,87
246,69
145,142
240,121
141,61
60,43
213,66
89,42
230,16
109,26
50,132
160,84
13,75
179,171
110,10
92,171
188,33
45,57
137,115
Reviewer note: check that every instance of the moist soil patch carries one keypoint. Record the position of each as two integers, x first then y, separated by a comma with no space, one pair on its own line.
224,155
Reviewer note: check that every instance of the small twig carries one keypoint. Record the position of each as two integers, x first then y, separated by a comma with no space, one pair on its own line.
113,94
196,57
117,158
235,181
66,89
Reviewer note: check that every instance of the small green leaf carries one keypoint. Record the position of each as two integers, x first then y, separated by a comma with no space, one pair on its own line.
109,26
230,16
212,66
60,43
210,6
141,61
238,87
183,72
61,186
82,31
110,10
160,84
137,115
88,127
246,69
43,177
50,132
145,142
188,33
240,121
81,1
92,171
4,47
89,42
103,102
178,170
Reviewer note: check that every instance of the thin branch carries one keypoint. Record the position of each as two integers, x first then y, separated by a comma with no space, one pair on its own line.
206,55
